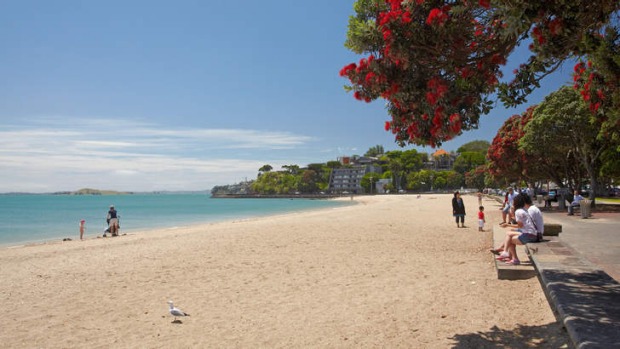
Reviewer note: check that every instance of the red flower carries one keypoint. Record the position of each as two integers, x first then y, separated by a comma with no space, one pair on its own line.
555,26
406,17
369,77
395,4
436,16
485,3
387,34
431,98
345,71
498,59
388,125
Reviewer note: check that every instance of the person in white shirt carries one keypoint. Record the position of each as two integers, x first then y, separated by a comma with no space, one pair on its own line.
506,211
537,217
524,233
576,203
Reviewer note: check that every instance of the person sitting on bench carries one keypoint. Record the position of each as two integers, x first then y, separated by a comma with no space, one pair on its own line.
576,202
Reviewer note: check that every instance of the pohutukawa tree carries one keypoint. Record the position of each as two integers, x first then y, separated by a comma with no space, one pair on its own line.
598,82
437,62
506,159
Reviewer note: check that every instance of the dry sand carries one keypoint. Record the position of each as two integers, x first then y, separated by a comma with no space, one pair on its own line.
389,272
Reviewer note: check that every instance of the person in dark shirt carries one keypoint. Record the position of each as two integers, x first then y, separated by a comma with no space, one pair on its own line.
458,209
112,220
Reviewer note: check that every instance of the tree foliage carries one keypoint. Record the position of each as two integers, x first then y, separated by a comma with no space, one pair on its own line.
375,151
469,160
575,133
506,159
477,146
437,62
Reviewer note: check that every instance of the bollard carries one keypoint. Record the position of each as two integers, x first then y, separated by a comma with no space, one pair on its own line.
539,199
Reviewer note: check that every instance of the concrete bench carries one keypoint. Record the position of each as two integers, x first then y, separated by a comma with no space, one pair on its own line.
584,298
512,272
526,269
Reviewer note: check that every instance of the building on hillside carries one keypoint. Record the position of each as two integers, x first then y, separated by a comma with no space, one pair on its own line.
381,185
349,179
357,160
441,160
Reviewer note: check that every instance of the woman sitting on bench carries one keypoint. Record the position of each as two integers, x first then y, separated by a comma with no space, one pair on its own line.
524,233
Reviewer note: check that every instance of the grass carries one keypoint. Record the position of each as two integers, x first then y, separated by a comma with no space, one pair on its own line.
608,200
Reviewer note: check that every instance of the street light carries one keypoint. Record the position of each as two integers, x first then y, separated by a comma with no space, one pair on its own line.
371,180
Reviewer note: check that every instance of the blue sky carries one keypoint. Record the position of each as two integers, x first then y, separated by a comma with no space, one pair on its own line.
182,95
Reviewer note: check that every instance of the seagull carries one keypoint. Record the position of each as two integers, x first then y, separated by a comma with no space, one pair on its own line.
176,311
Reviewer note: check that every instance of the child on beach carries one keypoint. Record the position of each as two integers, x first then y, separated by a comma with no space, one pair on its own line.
82,228
481,219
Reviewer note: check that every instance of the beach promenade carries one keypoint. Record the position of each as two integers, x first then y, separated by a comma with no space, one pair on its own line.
579,271
596,238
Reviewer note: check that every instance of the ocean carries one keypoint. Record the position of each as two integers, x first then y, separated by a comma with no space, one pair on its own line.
37,218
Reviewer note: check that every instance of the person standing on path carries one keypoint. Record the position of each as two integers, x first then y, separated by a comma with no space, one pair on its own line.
458,209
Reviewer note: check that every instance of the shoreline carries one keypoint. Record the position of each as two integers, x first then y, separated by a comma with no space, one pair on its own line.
74,236
391,271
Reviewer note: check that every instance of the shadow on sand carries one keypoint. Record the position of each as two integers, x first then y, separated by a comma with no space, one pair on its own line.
548,336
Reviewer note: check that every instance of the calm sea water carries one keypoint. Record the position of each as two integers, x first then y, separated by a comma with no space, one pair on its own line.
27,218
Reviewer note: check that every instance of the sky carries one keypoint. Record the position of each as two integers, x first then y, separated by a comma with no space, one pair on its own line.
184,95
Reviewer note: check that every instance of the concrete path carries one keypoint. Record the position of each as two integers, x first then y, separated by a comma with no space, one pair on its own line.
597,238
580,274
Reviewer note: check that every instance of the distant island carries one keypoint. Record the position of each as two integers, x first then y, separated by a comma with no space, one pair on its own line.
89,191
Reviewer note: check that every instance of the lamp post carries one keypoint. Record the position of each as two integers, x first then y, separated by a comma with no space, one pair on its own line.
371,183
431,182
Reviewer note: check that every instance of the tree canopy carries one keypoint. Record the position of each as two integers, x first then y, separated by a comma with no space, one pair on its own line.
437,62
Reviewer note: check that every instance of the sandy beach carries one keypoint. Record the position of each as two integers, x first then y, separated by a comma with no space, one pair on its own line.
388,272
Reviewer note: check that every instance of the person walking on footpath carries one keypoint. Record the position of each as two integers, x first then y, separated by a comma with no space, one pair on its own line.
458,209
481,219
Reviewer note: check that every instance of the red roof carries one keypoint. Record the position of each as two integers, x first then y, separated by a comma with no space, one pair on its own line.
440,152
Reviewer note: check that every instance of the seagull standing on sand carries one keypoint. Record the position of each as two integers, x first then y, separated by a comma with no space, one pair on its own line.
176,311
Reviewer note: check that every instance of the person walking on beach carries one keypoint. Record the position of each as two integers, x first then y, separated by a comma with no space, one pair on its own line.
458,209
112,220
82,228
481,219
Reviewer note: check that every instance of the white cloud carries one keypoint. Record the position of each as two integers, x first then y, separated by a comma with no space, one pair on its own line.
48,155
